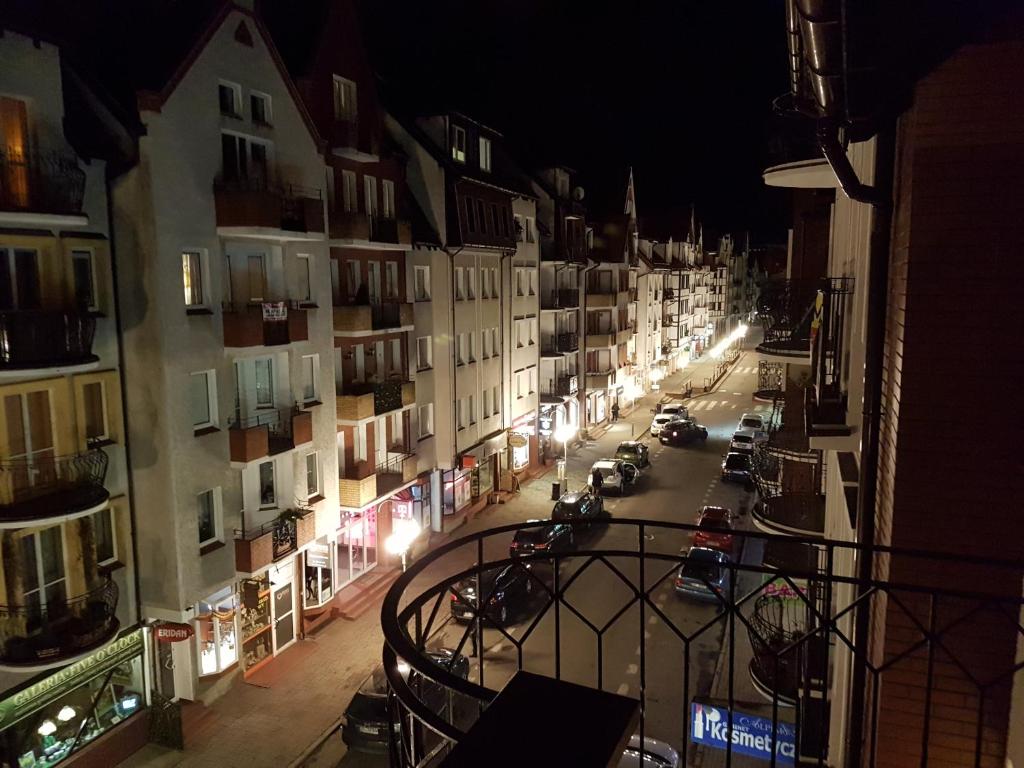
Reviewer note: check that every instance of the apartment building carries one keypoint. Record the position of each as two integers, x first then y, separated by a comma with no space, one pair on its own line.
369,237
650,354
224,281
474,313
73,656
562,232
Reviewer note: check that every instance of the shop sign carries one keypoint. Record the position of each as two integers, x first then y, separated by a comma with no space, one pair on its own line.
274,311
517,440
37,696
749,735
526,420
318,556
468,462
171,632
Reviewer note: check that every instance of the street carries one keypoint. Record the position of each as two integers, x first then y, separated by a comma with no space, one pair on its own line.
678,482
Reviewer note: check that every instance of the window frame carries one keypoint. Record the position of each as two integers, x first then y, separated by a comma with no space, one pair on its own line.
343,111
109,512
315,371
305,260
421,269
211,400
200,255
105,436
268,114
458,154
349,193
429,355
273,482
89,255
216,518
387,191
236,98
318,489
485,152
429,430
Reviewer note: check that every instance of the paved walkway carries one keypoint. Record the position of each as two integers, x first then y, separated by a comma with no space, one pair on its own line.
254,726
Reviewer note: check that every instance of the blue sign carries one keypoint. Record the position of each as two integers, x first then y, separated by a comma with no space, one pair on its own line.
750,735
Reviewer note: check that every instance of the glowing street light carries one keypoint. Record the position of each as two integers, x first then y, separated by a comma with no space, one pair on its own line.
564,433
402,536
719,348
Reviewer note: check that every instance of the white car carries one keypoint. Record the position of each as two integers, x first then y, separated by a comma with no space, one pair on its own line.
616,475
660,421
745,439
675,410
655,754
751,421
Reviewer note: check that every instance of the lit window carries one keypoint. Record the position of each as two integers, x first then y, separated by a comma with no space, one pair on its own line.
458,144
485,154
192,275
310,377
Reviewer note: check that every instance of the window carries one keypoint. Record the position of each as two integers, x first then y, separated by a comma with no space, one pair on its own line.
460,288
106,536
520,282
388,191
496,404
485,154
203,399
192,275
518,226
243,159
312,475
458,144
424,354
480,216
531,281
310,378
95,415
391,280
495,347
268,489
533,380
304,267
370,189
528,226
471,336
19,279
460,414
485,345
230,95
85,280
494,281
259,107
485,284
348,191
495,222
421,277
531,330
487,404
426,420
472,410
519,384
520,334
353,277
208,514
264,382
42,574
470,283
470,215
345,107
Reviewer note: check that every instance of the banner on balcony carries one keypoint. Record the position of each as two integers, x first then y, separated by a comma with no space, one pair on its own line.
274,311
749,735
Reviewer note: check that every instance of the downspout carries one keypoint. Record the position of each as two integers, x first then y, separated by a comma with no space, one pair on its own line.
585,421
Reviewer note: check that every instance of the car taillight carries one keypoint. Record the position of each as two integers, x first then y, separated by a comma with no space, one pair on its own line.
543,545
679,582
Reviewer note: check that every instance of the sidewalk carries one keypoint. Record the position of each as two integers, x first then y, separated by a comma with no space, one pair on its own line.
278,722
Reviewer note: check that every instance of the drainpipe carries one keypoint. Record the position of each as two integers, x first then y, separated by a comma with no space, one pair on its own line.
585,421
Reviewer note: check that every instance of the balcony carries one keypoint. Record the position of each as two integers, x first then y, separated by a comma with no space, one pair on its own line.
600,339
621,337
396,471
40,637
560,344
258,547
269,432
49,489
363,401
257,208
390,230
825,402
791,630
566,386
351,138
267,324
600,379
602,298
44,339
786,309
40,189
563,298
365,319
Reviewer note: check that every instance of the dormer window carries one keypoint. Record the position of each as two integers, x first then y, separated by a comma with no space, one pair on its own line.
485,154
345,107
458,144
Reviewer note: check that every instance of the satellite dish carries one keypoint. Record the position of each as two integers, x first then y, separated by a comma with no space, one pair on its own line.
577,194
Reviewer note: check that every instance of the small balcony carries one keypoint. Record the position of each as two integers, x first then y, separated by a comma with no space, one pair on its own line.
600,298
350,226
361,319
390,230
48,489
560,344
357,485
43,339
363,401
785,653
268,433
600,339
40,637
257,208
563,298
40,188
351,138
792,514
786,309
396,471
825,413
566,386
266,324
258,547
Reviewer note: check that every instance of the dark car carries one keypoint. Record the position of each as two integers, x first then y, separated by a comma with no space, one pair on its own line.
682,432
507,591
634,452
737,467
705,574
365,724
553,537
578,505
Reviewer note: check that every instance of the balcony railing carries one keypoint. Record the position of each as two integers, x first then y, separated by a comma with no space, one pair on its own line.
372,316
268,432
258,547
40,182
387,396
825,406
267,205
566,386
266,323
563,298
34,635
45,487
37,339
798,653
786,310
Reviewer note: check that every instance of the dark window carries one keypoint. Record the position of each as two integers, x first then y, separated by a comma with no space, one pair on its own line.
481,215
494,219
227,100
233,157
470,218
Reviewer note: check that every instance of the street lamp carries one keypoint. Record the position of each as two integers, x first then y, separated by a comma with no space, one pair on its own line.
402,536
564,433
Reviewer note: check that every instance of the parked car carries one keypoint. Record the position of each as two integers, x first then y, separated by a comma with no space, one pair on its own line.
752,421
654,754
658,422
742,441
634,452
677,410
682,432
705,574
365,724
507,591
578,505
737,467
618,476
546,537
714,517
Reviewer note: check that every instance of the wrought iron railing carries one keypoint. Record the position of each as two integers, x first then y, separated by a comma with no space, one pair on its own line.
45,339
786,309
48,486
40,182
59,629
606,615
827,404
283,530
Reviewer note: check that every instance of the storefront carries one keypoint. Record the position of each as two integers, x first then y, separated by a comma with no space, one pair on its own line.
356,550
412,503
68,711
456,490
216,632
597,407
522,441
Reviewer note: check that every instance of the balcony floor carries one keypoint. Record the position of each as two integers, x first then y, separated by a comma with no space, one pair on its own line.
797,514
63,504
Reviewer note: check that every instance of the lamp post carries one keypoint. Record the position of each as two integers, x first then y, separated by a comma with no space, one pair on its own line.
564,433
402,536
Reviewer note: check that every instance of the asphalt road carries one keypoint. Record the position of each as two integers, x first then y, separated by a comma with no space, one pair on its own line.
619,650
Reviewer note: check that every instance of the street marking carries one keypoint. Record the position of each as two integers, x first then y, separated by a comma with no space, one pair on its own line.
737,393
622,690
632,669
711,405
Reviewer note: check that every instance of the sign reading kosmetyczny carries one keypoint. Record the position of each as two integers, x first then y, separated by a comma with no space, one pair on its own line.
750,735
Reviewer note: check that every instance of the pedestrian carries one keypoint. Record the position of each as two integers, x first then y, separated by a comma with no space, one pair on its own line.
615,411
596,481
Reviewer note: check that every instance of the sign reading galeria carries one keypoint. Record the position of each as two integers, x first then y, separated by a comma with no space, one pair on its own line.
750,735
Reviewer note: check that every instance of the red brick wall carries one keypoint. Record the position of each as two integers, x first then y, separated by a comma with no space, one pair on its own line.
949,474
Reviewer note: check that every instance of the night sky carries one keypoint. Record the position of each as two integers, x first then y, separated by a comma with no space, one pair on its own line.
680,90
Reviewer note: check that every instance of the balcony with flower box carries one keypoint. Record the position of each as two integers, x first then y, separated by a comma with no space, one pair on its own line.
264,324
262,545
